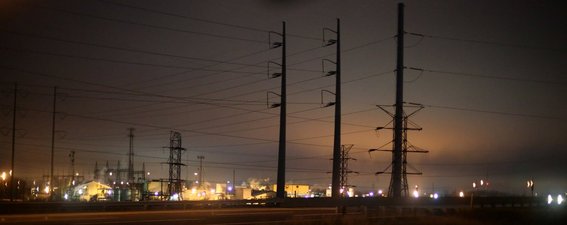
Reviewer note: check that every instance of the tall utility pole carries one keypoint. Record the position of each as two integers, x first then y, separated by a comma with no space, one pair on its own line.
13,143
233,180
72,159
280,192
131,156
53,142
336,179
396,182
200,157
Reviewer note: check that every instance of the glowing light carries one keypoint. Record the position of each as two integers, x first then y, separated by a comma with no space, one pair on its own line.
462,194
175,197
341,190
435,196
66,196
212,191
195,173
121,182
148,173
559,199
3,176
193,190
530,183
474,184
77,174
73,182
371,194
10,172
156,193
481,182
46,189
380,192
415,194
80,191
229,188
110,174
549,199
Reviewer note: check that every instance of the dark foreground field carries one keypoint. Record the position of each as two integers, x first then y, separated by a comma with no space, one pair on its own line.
479,216
303,216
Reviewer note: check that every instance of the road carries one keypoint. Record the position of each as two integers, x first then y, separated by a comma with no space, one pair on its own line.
172,217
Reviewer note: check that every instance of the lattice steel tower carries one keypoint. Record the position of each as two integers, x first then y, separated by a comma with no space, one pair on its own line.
344,170
174,161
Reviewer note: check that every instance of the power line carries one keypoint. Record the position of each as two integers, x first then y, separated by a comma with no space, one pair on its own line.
231,79
122,48
552,82
291,123
127,62
129,22
112,87
307,50
217,101
202,20
317,88
493,112
503,44
202,76
233,165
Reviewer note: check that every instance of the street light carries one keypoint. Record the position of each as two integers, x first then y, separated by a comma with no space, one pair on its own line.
530,185
472,193
416,192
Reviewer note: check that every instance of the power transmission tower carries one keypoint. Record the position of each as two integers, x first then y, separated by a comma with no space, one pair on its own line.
280,192
398,182
344,168
174,161
200,170
12,173
52,142
397,158
406,148
72,160
131,156
336,176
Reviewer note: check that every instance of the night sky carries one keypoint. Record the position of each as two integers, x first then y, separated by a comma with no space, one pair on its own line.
491,75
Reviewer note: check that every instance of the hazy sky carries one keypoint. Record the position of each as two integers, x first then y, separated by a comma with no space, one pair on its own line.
493,84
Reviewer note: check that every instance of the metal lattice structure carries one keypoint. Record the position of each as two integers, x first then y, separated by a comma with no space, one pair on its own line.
174,161
131,156
344,169
406,148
